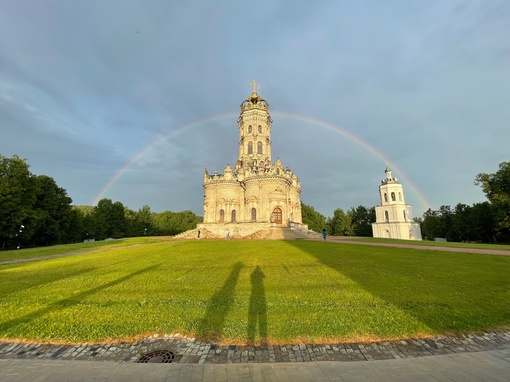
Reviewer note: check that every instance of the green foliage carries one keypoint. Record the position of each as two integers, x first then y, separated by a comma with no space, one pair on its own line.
315,220
253,291
16,196
497,189
33,209
340,224
462,223
52,211
361,220
172,223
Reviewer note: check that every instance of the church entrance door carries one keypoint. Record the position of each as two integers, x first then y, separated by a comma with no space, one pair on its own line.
277,215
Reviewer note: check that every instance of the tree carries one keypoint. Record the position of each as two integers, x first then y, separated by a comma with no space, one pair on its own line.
361,220
109,219
173,223
483,221
462,224
17,198
430,224
340,224
51,211
315,220
497,189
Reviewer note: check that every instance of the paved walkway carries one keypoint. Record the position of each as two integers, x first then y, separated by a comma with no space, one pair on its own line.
491,365
462,358
480,251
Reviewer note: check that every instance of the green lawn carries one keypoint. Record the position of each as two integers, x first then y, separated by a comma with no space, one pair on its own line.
253,291
25,253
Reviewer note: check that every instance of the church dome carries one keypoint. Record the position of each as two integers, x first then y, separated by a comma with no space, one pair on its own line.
254,101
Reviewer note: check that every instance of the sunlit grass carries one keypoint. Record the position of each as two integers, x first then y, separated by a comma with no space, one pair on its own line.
25,253
253,291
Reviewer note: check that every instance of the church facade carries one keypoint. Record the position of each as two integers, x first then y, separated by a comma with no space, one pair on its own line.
256,193
393,217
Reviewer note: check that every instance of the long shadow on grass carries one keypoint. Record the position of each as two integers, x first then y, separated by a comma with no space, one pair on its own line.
257,311
70,301
429,286
211,326
19,282
27,278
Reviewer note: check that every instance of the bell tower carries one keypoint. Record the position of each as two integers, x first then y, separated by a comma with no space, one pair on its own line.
254,124
393,216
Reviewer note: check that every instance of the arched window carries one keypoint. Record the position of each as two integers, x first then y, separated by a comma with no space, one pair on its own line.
400,196
385,197
405,215
249,129
233,216
254,214
222,216
250,147
393,199
260,129
277,216
386,216
259,147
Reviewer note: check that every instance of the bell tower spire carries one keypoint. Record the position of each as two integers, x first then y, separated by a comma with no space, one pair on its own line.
254,131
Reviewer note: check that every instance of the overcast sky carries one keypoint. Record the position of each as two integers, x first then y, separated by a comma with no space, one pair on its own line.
131,100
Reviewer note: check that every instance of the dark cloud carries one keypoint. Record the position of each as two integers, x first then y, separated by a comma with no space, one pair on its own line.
86,86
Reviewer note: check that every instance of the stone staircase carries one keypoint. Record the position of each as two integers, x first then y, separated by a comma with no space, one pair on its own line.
265,234
192,234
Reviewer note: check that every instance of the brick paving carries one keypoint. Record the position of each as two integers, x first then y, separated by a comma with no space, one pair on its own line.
191,351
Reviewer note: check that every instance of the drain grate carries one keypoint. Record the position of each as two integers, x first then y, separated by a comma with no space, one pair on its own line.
157,356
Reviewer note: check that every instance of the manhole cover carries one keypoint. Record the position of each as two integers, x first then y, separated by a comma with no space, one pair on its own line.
157,356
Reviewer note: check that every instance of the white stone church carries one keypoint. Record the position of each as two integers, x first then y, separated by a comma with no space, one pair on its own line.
394,218
256,194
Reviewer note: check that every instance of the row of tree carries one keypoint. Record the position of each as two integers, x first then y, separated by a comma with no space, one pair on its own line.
35,211
355,222
487,222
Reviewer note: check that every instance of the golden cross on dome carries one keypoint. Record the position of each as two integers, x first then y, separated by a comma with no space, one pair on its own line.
254,86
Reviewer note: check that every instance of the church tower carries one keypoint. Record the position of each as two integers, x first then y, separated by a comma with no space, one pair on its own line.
394,217
257,193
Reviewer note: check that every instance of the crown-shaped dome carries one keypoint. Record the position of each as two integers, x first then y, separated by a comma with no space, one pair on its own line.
254,102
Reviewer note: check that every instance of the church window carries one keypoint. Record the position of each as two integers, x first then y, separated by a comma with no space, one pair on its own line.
385,197
260,129
249,129
254,214
405,215
250,147
222,216
393,199
400,196
277,216
386,216
259,147
233,216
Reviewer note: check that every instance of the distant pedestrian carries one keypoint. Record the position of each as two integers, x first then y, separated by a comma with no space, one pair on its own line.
198,235
227,235
324,233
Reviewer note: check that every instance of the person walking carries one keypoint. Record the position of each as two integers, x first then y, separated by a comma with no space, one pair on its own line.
198,235
324,233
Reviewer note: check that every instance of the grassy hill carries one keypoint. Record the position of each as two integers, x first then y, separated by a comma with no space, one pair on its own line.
251,292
